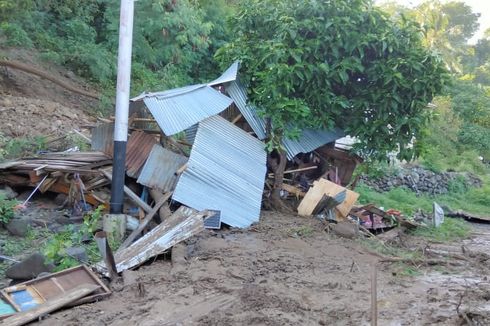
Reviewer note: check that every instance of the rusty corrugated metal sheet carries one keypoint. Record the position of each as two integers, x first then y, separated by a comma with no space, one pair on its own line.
103,138
138,149
160,167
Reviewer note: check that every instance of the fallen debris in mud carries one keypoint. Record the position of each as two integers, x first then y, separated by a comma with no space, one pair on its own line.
183,224
323,187
36,293
49,306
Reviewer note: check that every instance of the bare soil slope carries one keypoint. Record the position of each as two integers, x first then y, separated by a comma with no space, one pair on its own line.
32,106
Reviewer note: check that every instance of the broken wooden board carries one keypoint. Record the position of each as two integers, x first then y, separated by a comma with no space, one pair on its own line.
183,224
145,221
324,187
30,294
51,305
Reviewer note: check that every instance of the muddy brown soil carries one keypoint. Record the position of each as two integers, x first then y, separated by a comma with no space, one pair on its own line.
288,271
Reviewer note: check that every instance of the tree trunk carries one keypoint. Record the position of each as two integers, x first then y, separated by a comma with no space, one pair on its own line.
278,166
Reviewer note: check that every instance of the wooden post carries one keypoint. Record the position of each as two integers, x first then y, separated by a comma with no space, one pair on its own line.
374,297
145,221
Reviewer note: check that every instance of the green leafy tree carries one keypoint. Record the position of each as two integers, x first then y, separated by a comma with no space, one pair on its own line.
338,63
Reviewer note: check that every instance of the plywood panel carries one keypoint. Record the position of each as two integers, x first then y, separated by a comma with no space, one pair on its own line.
324,187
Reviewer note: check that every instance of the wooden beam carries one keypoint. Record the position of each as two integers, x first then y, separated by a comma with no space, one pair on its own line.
297,170
238,117
129,240
147,208
54,304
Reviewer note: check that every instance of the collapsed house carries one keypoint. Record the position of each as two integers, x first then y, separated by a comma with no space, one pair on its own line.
227,165
202,143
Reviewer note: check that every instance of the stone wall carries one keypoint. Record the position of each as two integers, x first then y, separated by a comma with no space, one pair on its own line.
421,180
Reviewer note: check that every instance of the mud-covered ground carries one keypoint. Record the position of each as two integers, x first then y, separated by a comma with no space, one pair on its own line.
288,271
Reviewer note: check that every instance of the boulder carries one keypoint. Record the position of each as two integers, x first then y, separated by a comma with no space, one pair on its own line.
29,268
79,253
345,230
18,227
7,193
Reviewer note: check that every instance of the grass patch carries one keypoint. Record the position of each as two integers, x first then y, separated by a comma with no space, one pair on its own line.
301,232
472,200
386,250
452,229
404,270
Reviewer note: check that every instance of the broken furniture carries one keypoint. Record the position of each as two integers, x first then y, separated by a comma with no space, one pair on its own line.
31,294
324,187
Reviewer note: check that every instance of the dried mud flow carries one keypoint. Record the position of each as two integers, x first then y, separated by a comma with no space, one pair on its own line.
287,271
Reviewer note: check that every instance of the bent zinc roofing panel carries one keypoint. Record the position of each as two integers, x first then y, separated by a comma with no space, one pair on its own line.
178,109
225,172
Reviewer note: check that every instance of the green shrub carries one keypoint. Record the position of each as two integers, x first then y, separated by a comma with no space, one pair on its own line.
6,209
16,35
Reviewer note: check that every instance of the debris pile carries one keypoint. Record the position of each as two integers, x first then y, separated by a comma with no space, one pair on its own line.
195,159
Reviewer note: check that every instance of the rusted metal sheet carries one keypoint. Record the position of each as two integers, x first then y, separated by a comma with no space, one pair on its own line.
138,149
160,169
30,294
103,138
183,224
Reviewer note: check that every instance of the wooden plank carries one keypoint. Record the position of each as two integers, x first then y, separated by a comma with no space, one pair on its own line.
183,224
50,306
147,208
293,190
324,187
129,240
63,188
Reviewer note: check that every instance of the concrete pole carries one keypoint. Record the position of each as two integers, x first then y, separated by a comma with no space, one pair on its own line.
122,104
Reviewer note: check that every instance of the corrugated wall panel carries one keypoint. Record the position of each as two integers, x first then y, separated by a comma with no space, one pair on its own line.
160,167
225,172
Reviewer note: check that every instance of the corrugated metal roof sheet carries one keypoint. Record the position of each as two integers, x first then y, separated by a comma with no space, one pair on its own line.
239,95
179,109
307,142
225,172
190,133
139,147
310,140
229,75
103,139
160,167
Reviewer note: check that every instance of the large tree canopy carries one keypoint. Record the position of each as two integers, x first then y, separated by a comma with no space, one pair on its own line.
340,63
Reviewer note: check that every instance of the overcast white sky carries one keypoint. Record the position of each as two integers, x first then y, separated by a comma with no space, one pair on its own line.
479,6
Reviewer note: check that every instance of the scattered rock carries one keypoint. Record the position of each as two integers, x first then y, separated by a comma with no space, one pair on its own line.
60,199
79,253
18,227
345,230
29,268
7,192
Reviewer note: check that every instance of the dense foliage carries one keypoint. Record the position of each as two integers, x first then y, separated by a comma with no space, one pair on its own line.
173,45
336,63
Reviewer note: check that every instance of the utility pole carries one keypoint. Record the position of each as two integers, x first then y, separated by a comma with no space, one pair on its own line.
122,105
